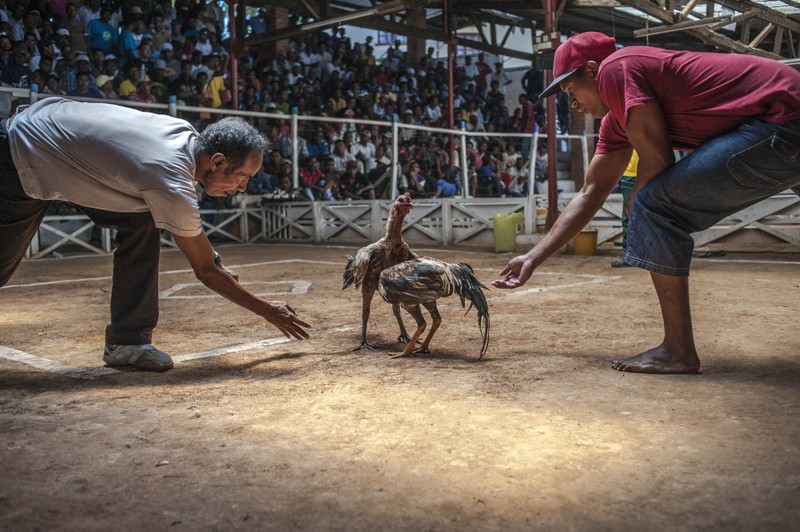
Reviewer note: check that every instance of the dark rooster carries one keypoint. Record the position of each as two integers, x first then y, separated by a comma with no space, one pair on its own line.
364,269
424,280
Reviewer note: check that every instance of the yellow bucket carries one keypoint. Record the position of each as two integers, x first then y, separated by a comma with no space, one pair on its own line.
541,216
505,231
586,242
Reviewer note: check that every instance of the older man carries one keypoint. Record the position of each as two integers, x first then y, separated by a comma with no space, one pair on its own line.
739,115
134,172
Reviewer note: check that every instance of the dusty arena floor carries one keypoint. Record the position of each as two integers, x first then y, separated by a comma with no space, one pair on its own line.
249,432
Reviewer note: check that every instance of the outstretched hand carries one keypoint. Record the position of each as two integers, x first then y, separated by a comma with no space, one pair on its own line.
515,274
286,320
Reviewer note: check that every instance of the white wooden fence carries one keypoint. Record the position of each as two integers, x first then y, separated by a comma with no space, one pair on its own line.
772,225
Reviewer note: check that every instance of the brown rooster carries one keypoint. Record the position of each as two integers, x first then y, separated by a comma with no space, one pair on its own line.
424,280
364,269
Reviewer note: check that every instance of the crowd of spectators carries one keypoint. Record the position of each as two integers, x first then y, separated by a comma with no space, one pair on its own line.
148,51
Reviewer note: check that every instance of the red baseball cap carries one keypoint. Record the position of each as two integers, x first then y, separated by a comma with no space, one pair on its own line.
575,53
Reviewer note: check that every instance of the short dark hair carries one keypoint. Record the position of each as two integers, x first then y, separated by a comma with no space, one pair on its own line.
232,137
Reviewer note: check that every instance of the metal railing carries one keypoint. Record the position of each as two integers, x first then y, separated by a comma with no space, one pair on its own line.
395,126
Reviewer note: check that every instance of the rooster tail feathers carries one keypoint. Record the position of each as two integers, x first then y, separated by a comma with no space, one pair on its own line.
347,276
469,288
484,328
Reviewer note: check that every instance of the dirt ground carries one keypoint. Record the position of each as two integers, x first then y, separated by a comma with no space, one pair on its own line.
248,432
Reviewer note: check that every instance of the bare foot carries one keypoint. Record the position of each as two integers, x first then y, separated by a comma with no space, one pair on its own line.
659,360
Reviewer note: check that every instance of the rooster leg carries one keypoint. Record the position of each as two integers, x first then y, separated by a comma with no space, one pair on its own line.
366,300
404,337
437,320
416,313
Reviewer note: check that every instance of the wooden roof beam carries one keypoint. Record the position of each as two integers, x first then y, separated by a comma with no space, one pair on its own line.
710,22
767,14
704,34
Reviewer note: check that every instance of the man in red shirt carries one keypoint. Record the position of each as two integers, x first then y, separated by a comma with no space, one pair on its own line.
739,115
483,71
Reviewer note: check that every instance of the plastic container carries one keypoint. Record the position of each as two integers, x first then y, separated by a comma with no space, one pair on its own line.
506,227
585,242
541,219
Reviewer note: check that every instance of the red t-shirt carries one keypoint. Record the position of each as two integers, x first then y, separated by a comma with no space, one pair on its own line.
528,120
702,94
483,70
311,177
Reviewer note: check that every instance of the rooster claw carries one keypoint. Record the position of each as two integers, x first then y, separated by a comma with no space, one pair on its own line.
404,339
363,345
411,353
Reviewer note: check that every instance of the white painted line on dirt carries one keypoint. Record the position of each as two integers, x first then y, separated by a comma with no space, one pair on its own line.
170,272
291,261
753,261
62,281
298,287
237,348
45,364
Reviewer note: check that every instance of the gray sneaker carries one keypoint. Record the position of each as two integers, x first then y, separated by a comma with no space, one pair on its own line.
144,357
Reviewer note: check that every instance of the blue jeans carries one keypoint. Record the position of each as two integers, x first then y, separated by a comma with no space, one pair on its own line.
723,176
626,184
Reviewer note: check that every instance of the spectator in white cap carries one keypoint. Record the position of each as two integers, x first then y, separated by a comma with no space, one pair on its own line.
62,38
172,64
53,85
110,64
70,77
204,44
31,25
105,84
159,85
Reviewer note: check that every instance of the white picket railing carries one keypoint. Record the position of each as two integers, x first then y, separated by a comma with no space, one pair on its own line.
772,225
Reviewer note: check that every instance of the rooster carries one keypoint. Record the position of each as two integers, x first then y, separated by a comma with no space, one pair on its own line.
364,269
422,281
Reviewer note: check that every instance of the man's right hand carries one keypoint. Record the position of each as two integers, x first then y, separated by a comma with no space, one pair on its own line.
282,316
516,273
220,279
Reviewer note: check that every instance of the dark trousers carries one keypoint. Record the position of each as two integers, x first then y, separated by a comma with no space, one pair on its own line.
134,293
